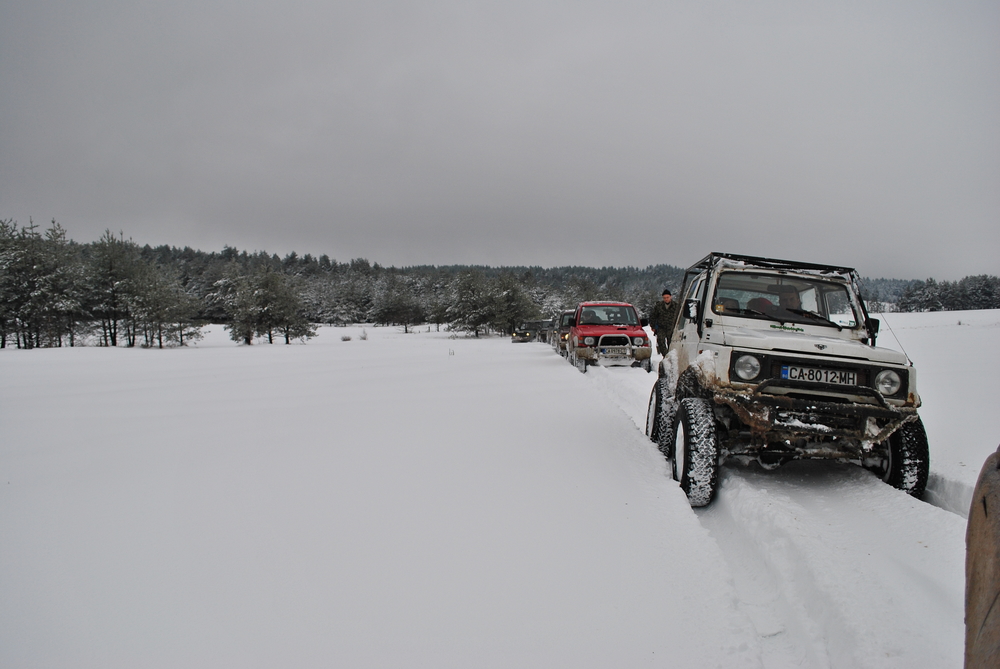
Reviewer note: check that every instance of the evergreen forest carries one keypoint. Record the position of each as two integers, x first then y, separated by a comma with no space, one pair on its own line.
114,292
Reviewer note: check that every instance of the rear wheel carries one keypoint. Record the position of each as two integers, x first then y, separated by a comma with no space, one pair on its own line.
908,459
695,463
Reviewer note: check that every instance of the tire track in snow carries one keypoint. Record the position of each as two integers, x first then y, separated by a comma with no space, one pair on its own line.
843,570
761,566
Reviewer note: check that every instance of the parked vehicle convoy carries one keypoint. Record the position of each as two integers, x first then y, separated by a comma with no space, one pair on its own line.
561,332
532,331
775,360
608,334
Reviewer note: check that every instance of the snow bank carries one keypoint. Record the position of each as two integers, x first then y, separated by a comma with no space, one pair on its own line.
955,353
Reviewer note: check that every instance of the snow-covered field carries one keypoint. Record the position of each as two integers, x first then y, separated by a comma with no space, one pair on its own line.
415,500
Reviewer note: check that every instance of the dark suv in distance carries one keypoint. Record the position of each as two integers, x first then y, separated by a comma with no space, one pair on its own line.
531,331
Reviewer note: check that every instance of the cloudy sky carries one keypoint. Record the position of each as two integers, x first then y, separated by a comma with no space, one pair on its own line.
511,132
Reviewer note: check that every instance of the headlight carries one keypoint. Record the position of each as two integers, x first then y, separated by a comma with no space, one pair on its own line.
588,341
639,341
747,367
888,382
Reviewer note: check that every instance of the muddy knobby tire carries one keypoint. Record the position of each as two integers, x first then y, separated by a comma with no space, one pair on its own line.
653,413
909,459
660,417
667,420
696,450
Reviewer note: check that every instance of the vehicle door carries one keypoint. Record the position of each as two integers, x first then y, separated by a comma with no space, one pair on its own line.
687,334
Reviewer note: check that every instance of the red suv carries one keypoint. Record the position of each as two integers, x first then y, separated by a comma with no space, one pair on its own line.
607,334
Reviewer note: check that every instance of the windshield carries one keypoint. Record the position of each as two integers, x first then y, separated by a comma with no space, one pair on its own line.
608,314
784,298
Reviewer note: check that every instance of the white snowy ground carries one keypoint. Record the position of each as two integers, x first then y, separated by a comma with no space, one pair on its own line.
420,501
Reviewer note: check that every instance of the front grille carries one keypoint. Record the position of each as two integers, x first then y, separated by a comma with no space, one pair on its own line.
614,340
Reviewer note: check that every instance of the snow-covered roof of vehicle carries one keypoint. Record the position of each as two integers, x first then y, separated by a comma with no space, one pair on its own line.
604,303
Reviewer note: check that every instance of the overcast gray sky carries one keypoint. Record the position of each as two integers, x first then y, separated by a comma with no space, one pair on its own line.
513,133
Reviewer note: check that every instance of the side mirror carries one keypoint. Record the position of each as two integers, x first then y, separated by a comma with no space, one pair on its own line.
572,322
691,309
643,322
873,325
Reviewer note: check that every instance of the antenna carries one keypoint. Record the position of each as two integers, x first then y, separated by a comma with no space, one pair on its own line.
910,362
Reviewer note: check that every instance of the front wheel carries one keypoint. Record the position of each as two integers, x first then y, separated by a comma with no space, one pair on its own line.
695,463
909,459
667,420
653,414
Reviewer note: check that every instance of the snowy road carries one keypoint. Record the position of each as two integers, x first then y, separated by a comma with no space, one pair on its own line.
833,567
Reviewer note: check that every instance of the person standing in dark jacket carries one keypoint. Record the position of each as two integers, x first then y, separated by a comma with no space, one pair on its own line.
662,321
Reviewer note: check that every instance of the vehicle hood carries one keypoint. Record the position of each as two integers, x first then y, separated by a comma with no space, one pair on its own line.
811,344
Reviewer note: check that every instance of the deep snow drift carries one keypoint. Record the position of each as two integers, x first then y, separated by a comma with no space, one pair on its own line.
418,500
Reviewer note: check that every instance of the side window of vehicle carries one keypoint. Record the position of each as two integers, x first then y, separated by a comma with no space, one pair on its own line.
693,293
839,308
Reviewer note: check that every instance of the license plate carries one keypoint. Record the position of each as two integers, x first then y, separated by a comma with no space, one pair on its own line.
620,350
840,376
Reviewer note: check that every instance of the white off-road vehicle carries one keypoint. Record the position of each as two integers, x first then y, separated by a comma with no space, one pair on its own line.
773,360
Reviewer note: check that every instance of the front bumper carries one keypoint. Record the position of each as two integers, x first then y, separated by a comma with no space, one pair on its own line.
610,356
831,427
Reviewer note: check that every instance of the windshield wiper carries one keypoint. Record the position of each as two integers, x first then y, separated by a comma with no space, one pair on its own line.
764,314
818,317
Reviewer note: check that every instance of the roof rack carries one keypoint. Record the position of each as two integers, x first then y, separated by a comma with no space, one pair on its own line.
770,263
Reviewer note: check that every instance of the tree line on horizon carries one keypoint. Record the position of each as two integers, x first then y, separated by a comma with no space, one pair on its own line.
113,292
